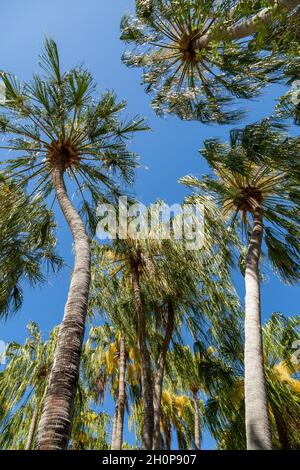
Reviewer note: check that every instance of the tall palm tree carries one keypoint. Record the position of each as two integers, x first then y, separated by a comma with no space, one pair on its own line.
27,244
192,58
283,384
225,415
61,130
112,299
125,255
270,199
163,277
110,363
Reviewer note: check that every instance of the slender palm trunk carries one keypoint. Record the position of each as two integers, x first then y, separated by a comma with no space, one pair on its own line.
32,429
197,435
248,27
121,398
55,424
158,381
147,390
257,420
114,429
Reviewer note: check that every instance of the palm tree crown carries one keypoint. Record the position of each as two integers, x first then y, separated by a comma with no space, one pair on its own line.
55,121
249,186
189,61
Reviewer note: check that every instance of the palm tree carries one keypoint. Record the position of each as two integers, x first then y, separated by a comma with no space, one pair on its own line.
162,277
283,385
184,377
192,58
111,298
178,415
126,255
110,363
27,244
63,131
224,414
270,198
23,385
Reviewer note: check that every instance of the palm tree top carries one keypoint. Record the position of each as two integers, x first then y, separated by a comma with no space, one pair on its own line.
56,121
239,187
244,192
189,62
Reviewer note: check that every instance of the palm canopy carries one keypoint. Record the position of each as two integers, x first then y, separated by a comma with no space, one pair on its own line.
190,63
27,244
54,120
239,190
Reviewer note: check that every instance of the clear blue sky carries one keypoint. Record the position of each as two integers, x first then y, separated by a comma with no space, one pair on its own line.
88,31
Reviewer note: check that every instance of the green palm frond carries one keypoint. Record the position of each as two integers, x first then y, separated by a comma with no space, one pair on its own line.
28,244
188,74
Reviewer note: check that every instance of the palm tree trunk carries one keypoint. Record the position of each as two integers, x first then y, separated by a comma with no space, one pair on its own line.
197,435
55,425
147,390
248,27
114,429
33,424
121,398
257,420
158,382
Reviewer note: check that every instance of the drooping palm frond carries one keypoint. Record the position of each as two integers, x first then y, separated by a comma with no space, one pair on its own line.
27,244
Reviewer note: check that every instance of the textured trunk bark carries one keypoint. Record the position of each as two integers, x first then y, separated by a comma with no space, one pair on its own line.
55,424
33,424
197,437
257,420
248,27
114,429
121,399
147,390
158,381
